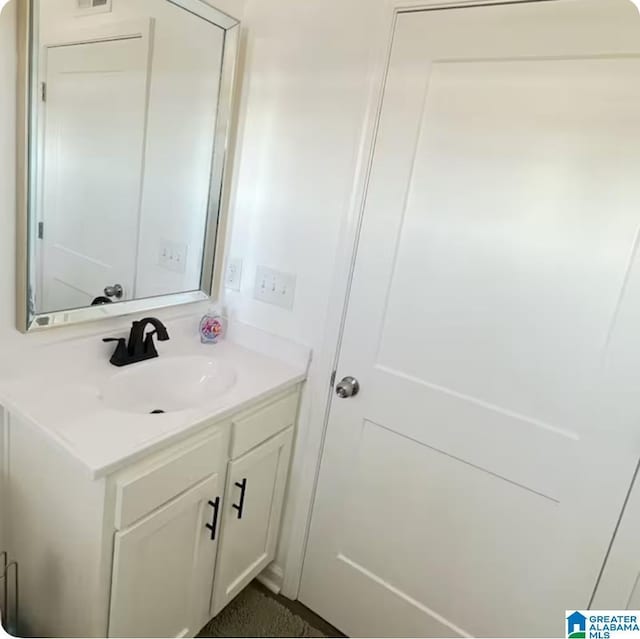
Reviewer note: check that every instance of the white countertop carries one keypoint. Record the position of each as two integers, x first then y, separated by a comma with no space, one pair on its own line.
58,390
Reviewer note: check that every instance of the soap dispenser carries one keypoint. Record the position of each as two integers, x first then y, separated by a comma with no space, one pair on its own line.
212,326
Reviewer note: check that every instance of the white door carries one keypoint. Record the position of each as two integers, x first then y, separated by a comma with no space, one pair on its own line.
163,567
473,486
95,111
252,512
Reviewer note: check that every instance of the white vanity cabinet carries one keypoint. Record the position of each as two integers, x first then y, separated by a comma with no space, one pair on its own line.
156,548
252,509
256,482
163,568
165,547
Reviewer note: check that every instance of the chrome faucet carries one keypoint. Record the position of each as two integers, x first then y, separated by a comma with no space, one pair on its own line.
140,347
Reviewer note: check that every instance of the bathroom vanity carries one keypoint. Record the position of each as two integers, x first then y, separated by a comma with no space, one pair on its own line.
131,524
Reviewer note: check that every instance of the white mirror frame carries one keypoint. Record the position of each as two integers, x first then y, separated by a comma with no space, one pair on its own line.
213,259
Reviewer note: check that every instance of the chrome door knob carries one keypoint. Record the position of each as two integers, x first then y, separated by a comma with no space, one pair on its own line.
114,291
348,387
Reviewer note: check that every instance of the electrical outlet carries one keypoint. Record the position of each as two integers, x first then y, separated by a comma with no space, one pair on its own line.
233,276
274,287
173,256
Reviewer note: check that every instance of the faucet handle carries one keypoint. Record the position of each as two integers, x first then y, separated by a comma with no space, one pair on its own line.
120,355
121,340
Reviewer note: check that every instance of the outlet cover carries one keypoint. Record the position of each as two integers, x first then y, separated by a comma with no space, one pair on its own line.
233,276
275,287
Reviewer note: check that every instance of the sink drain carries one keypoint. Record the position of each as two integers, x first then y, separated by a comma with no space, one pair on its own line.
158,411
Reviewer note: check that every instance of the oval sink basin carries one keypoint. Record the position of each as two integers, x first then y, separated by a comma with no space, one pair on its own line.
168,385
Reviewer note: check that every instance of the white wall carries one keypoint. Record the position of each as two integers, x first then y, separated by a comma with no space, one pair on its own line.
304,97
310,72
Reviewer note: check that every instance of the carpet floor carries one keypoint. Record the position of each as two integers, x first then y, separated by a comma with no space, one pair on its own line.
254,614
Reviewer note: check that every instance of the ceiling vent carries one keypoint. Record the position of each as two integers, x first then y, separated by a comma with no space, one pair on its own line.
93,6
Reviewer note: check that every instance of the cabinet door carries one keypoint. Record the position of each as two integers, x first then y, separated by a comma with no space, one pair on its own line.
251,522
163,567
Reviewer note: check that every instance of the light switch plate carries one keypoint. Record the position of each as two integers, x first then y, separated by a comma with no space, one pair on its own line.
275,287
91,7
173,256
233,275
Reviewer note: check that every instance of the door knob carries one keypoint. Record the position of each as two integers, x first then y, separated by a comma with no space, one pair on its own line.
114,291
348,387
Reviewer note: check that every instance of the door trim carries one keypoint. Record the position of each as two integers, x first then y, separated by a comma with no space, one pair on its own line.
313,423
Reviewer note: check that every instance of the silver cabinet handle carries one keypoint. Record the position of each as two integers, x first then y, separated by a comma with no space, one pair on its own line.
114,291
348,387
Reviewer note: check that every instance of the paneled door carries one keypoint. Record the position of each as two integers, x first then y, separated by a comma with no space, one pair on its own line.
95,110
472,487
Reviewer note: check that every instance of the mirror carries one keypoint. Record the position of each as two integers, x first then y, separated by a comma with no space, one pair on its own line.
126,118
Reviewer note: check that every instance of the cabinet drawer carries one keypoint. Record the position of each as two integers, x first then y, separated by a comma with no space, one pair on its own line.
150,485
251,429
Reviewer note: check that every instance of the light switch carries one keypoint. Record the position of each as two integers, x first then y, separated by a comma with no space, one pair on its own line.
275,287
173,256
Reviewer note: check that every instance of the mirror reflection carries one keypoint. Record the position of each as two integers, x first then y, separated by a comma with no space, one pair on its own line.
125,96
